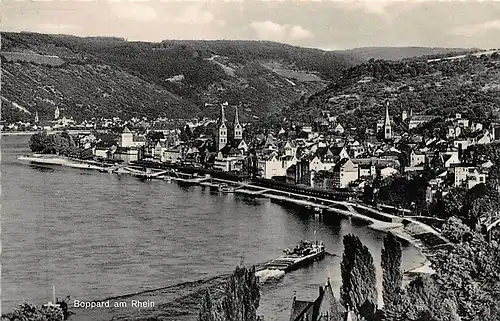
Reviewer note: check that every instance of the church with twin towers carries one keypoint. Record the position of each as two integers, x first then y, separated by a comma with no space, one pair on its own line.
227,137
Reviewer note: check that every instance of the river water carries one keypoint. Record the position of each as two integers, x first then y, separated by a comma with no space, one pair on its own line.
95,235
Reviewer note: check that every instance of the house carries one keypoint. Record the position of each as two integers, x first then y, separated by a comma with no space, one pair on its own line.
270,166
416,159
339,129
128,140
450,158
495,131
287,161
463,144
172,155
307,129
417,120
345,172
158,151
242,146
223,163
290,148
126,154
483,138
325,307
367,170
453,132
101,152
469,176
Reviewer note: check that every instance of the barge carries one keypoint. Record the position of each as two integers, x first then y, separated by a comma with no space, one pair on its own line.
303,254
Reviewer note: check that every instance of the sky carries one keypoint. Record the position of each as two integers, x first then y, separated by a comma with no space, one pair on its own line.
324,24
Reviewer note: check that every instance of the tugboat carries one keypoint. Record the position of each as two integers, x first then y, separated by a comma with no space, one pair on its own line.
304,253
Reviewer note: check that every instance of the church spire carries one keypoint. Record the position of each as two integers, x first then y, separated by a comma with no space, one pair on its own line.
222,117
387,124
222,132
387,121
238,130
236,120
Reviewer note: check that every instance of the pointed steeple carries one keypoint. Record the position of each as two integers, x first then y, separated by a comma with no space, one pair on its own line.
236,120
387,121
238,130
387,124
36,117
222,133
223,116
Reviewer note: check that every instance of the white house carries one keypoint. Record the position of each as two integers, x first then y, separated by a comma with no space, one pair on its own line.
470,176
339,129
128,140
171,155
270,166
450,158
345,172
416,159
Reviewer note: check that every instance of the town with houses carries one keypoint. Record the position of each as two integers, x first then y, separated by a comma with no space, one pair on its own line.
323,155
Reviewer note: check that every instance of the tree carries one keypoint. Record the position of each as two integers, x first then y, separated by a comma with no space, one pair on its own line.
469,272
37,141
451,204
391,267
358,275
422,302
29,312
239,300
206,313
455,230
155,136
186,133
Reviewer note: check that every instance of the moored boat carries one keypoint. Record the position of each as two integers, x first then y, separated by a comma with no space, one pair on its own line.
45,160
85,166
224,188
304,253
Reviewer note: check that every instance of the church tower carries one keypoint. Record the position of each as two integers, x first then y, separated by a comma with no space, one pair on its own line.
36,117
238,130
222,134
387,124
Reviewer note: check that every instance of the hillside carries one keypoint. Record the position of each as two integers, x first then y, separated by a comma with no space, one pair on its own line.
398,53
105,77
470,85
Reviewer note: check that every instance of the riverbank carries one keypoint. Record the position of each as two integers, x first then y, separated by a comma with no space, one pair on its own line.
17,133
415,232
180,302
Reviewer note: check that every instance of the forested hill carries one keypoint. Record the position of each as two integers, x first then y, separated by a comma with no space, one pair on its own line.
398,53
104,77
469,85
